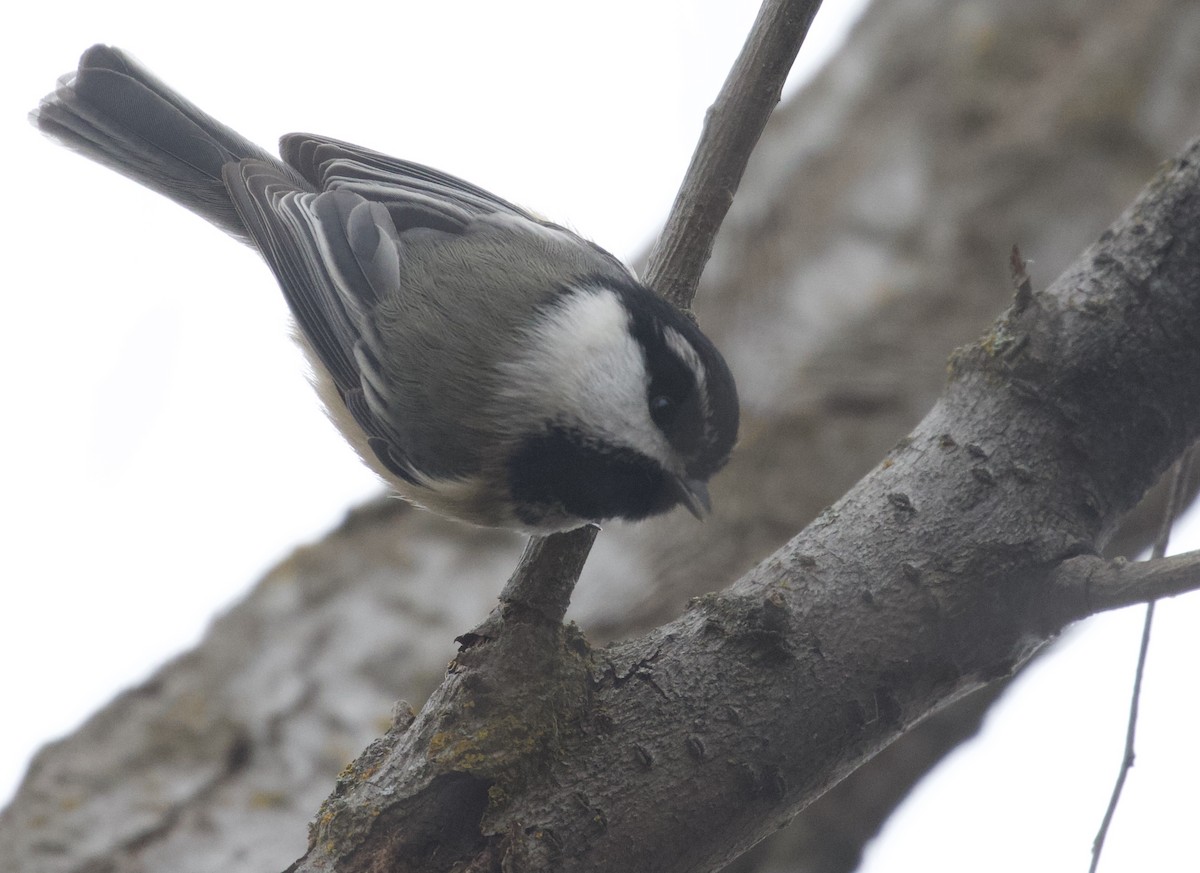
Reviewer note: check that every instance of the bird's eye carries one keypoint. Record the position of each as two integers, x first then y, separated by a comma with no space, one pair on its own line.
661,407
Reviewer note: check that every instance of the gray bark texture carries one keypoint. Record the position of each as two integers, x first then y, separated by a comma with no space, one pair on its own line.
870,238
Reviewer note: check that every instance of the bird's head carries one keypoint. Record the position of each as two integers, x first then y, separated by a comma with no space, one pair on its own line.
627,408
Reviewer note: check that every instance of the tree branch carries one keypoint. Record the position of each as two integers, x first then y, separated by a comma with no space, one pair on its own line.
927,580
732,128
1088,585
524,631
547,572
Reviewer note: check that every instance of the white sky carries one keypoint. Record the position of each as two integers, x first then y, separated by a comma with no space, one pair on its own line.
123,312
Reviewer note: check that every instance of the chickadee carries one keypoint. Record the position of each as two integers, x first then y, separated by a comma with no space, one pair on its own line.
489,365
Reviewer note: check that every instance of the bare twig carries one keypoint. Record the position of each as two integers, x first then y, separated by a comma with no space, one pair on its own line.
1089,585
1019,269
1171,511
1130,732
732,128
1174,505
546,573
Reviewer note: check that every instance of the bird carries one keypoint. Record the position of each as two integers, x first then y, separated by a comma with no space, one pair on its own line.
488,364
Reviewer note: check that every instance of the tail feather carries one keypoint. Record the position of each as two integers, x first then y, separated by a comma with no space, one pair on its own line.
118,114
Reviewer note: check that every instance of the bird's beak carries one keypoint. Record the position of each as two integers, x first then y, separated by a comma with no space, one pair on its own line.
693,494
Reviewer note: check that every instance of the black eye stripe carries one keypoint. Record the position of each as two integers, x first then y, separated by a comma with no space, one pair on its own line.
701,419
672,395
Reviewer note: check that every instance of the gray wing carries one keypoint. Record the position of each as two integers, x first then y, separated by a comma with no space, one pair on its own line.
335,255
409,286
329,163
361,244
416,195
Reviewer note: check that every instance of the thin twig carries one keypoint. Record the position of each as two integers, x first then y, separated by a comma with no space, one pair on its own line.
544,577
1130,731
1089,584
1019,269
1175,497
732,128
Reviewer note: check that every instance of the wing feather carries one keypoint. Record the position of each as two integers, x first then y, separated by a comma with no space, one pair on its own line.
330,163
382,241
335,256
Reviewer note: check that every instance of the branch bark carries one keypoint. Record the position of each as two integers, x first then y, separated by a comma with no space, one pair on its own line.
926,581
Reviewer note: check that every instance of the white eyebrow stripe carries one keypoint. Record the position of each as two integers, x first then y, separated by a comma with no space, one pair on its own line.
687,354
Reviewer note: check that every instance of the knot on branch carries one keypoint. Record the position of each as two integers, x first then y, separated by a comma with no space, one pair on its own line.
515,692
762,622
519,687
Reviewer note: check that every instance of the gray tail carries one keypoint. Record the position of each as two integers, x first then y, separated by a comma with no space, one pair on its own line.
113,111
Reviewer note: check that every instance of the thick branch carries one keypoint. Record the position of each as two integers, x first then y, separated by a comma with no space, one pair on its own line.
922,582
926,581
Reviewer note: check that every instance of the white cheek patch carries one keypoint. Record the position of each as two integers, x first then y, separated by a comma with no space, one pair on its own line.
589,324
582,365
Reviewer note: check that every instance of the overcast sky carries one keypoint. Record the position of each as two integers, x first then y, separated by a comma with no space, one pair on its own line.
163,447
